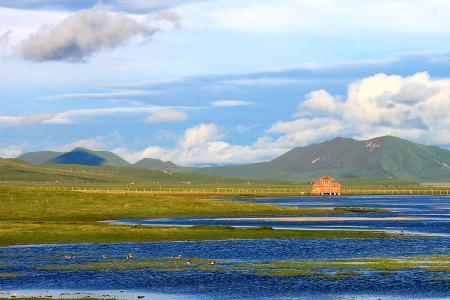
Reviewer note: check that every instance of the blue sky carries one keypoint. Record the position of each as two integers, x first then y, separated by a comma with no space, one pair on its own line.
219,82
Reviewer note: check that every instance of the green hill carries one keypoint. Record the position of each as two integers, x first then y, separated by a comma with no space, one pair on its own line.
78,156
344,158
17,171
156,164
380,158
39,157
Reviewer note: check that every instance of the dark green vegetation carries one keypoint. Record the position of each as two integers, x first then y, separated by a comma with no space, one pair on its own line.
389,159
34,217
14,170
323,269
343,158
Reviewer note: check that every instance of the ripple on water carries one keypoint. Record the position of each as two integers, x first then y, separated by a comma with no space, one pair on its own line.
232,285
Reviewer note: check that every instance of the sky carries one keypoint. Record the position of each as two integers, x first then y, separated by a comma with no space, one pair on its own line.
211,82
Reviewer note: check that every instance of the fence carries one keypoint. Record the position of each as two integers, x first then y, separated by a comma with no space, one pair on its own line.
242,191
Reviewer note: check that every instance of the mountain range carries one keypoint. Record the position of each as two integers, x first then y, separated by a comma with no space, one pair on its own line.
384,157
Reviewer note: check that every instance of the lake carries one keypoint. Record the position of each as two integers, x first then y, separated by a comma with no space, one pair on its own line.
240,284
409,214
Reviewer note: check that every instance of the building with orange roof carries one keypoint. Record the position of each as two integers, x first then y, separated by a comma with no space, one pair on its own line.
327,185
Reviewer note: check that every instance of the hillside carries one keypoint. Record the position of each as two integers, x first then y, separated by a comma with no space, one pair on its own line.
156,164
78,156
39,157
14,170
344,158
385,157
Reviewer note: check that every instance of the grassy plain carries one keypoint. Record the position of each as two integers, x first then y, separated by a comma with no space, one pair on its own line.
38,217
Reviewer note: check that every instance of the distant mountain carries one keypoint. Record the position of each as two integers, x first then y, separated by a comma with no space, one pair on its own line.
15,170
344,158
385,157
40,157
156,164
78,156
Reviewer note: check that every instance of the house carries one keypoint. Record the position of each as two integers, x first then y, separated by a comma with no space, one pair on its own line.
326,186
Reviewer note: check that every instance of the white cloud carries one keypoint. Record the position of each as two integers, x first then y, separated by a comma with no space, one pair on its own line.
230,103
84,34
73,116
166,115
199,135
265,81
21,121
105,95
329,17
97,143
12,150
302,131
413,107
319,101
203,144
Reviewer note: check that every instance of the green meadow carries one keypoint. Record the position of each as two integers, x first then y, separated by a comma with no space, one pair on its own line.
30,216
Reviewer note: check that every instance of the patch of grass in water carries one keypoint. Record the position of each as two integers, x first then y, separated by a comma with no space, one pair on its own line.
286,273
163,265
442,279
12,275
337,275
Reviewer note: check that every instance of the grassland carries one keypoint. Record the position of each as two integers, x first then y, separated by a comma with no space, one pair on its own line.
40,217
323,269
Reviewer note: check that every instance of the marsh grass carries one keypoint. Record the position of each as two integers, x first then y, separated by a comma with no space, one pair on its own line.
12,275
48,217
322,269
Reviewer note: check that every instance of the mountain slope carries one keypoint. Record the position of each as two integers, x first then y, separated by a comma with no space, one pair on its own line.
15,170
78,156
39,157
343,158
156,164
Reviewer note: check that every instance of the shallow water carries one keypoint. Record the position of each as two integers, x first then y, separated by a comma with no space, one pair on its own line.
129,283
235,285
432,213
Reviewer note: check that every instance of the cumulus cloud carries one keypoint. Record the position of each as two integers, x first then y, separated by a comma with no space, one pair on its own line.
413,107
199,135
166,115
84,34
230,103
203,144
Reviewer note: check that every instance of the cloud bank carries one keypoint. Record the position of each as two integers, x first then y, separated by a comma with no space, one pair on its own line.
134,6
230,103
84,34
414,107
166,115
